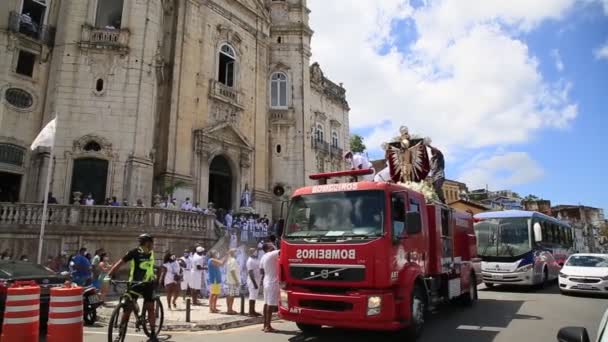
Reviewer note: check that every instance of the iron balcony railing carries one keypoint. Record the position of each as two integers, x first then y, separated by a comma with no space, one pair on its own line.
24,25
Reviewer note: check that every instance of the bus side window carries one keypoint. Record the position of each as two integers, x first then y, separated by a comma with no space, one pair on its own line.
398,214
545,230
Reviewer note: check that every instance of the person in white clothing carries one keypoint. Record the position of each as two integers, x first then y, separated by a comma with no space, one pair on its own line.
187,205
269,269
196,274
253,280
185,262
360,162
233,281
170,278
89,200
233,239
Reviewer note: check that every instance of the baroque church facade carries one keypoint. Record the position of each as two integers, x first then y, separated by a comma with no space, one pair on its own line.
198,98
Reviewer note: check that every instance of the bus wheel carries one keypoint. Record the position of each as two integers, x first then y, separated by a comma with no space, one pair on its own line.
469,298
309,328
418,313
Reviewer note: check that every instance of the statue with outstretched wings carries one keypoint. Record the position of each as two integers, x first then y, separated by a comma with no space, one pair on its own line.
407,157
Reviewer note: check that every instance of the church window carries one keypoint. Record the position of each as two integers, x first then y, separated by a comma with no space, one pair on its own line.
99,85
92,146
278,90
18,98
227,65
25,63
279,40
109,14
334,139
31,19
279,149
319,134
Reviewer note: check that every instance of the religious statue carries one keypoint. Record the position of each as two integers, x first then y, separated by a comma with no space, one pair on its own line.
407,157
246,197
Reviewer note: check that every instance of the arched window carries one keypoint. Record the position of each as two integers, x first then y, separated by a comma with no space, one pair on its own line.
92,146
227,65
278,90
319,134
334,139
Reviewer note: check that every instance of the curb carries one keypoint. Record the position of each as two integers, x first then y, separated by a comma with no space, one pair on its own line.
217,324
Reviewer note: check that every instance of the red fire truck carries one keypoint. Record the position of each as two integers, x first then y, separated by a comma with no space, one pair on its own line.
370,255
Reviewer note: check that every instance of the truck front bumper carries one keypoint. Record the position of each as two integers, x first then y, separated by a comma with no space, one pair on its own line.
341,310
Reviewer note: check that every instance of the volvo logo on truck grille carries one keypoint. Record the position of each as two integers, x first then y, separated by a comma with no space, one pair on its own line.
328,272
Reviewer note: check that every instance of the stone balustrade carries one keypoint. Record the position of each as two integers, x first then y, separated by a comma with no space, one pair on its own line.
120,218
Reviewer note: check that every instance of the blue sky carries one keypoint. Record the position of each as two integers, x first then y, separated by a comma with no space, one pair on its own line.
513,92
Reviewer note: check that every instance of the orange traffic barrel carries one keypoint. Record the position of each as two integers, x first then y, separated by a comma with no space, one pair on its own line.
65,315
21,313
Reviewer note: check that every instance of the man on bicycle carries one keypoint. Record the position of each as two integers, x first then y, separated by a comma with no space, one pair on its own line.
141,278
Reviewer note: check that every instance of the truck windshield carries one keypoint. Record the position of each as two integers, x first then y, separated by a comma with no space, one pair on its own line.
351,214
503,237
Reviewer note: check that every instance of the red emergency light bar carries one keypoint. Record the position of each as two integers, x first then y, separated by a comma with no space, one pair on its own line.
351,173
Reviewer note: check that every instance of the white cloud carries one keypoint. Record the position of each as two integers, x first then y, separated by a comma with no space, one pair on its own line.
602,51
467,80
557,58
502,171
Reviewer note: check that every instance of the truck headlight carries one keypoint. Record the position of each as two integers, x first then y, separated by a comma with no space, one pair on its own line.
374,304
284,299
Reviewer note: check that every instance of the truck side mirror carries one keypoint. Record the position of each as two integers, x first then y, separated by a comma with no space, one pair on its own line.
573,334
413,223
538,232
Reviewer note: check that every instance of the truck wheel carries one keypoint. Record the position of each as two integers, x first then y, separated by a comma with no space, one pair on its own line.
469,298
418,310
309,328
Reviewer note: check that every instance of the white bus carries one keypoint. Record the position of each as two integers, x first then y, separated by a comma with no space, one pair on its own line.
521,247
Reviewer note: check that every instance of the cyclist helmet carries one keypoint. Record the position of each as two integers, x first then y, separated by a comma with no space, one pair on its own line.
143,238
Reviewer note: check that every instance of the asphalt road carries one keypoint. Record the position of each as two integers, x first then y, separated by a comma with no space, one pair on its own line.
500,315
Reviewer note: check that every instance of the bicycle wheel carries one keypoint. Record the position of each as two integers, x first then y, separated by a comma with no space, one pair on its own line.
159,319
117,331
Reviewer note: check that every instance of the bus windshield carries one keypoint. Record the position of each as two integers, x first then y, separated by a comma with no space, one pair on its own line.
337,215
503,237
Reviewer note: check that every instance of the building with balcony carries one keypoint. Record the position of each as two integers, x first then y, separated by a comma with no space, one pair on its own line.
589,226
195,98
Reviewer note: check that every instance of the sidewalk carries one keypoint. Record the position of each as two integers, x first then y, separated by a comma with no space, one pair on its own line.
200,317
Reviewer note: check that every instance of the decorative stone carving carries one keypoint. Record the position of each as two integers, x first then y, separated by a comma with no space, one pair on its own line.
104,144
156,200
245,162
77,196
224,112
316,75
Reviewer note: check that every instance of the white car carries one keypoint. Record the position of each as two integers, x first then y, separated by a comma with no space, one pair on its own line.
585,272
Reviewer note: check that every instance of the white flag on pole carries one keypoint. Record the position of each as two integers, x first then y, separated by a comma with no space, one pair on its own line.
46,137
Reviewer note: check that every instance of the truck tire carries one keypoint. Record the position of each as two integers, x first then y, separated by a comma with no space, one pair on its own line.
469,298
418,312
309,328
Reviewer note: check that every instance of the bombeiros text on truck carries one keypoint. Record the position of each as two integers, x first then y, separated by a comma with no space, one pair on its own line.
372,255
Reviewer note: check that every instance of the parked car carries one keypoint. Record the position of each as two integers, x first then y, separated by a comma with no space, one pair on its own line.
579,334
584,272
11,271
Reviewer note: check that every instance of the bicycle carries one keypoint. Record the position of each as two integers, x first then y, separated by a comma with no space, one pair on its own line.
117,329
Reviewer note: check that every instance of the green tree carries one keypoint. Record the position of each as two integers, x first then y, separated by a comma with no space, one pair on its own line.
356,144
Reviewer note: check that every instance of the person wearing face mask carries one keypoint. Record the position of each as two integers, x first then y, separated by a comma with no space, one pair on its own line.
185,262
171,279
104,282
197,274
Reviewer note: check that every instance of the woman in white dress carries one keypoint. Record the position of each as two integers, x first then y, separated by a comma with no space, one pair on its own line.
170,278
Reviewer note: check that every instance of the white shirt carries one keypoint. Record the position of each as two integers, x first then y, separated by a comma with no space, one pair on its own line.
228,220
270,265
359,159
89,201
188,262
253,264
198,260
232,267
233,241
187,205
172,270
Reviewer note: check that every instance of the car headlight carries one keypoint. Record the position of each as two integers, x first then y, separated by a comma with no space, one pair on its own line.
563,275
525,268
374,304
284,299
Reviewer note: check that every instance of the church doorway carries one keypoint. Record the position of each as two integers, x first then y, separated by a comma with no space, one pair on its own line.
90,176
10,184
220,183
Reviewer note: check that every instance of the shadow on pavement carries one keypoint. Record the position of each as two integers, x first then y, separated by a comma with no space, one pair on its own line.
480,323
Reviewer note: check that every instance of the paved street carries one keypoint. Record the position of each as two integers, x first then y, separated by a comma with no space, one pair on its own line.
505,314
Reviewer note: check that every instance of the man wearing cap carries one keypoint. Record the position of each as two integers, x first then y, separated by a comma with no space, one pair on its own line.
197,273
253,280
185,262
360,162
